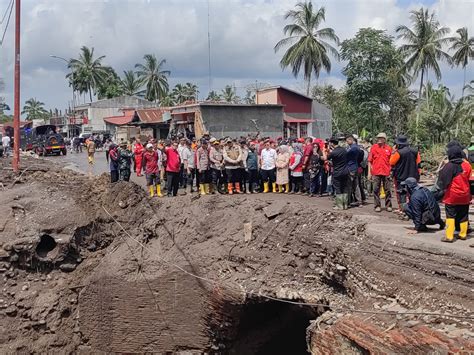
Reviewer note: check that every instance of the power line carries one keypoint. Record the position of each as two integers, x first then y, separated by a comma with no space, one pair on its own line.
8,22
337,309
6,11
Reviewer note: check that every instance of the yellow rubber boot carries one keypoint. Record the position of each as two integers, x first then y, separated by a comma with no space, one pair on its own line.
202,188
274,185
265,187
287,188
463,232
158,191
207,189
450,227
382,192
152,190
280,188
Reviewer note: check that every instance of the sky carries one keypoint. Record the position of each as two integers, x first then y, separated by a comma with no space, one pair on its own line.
243,34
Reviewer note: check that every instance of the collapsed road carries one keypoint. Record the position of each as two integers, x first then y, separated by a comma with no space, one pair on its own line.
88,266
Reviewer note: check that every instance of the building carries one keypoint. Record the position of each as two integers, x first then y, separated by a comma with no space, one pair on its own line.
150,122
92,114
226,119
303,116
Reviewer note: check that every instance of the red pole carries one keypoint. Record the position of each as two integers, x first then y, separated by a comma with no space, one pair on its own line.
16,109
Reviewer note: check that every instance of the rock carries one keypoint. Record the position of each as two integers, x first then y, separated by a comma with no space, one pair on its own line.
67,267
312,266
11,311
340,268
14,258
24,288
92,247
123,204
4,254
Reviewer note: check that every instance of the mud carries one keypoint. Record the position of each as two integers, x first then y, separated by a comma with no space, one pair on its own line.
88,266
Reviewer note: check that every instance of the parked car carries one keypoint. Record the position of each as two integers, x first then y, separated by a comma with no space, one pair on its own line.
44,140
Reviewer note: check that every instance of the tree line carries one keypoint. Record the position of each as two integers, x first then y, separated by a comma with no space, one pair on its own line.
377,95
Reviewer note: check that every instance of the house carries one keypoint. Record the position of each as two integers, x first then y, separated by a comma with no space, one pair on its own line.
303,116
226,119
93,114
149,122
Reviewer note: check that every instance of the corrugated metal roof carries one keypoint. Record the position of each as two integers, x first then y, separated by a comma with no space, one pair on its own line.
152,115
120,120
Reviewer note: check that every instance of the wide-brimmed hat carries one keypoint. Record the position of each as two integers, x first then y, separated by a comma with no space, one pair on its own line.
401,139
212,140
381,135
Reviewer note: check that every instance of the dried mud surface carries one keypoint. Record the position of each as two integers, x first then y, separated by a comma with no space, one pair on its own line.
120,262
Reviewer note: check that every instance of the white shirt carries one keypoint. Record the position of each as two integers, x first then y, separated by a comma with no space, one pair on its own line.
6,141
268,157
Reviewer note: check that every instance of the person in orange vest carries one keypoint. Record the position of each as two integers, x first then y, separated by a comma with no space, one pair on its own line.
138,150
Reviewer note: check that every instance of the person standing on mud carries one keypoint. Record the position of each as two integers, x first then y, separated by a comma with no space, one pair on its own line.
189,156
114,163
307,153
243,165
252,166
296,168
340,174
232,157
379,171
202,166
267,167
173,165
138,151
353,154
151,163
216,159
90,146
282,168
125,156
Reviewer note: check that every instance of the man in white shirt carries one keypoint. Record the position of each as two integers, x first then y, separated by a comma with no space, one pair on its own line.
267,167
6,145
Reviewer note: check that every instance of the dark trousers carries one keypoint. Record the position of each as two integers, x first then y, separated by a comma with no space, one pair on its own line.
114,175
296,183
401,196
268,175
125,174
172,183
243,179
352,187
361,187
315,182
107,155
182,176
460,213
324,181
378,182
191,176
233,175
340,184
204,177
307,181
253,180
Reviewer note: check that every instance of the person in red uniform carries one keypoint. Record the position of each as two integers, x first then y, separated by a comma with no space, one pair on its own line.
379,171
151,163
307,154
454,181
173,165
138,150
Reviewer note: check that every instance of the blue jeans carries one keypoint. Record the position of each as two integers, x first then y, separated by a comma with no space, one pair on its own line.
315,183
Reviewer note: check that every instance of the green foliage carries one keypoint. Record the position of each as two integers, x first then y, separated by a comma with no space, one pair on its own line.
34,110
228,94
154,77
213,96
131,85
187,92
309,45
110,86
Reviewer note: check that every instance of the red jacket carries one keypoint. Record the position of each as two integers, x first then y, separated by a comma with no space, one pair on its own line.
379,159
173,162
299,167
150,162
458,191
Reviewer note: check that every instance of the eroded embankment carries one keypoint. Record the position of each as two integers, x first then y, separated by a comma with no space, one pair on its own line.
88,266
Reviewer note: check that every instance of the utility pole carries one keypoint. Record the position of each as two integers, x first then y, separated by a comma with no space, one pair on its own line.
16,117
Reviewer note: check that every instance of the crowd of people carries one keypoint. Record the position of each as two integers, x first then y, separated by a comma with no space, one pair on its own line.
343,167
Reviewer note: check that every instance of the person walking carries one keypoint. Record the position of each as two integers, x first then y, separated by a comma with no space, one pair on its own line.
267,167
340,173
454,181
405,162
379,171
90,146
296,168
125,156
232,157
173,165
202,166
138,151
107,145
282,167
151,163
6,141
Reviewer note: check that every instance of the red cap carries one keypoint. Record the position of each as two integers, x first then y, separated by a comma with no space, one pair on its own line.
300,140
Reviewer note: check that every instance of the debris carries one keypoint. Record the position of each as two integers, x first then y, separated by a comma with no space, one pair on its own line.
247,232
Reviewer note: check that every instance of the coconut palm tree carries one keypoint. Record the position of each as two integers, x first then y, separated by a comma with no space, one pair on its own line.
309,45
464,51
34,109
131,85
88,71
180,93
213,96
229,95
424,45
168,100
192,91
154,77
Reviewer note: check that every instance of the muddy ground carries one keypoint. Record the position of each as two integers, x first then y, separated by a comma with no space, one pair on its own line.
87,266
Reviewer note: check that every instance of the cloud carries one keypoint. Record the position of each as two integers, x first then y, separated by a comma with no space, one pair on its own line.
243,34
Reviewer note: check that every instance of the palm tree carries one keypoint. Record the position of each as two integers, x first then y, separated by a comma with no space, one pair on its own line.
154,77
192,91
131,85
309,45
88,72
180,93
213,96
168,100
424,45
464,51
229,95
34,109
